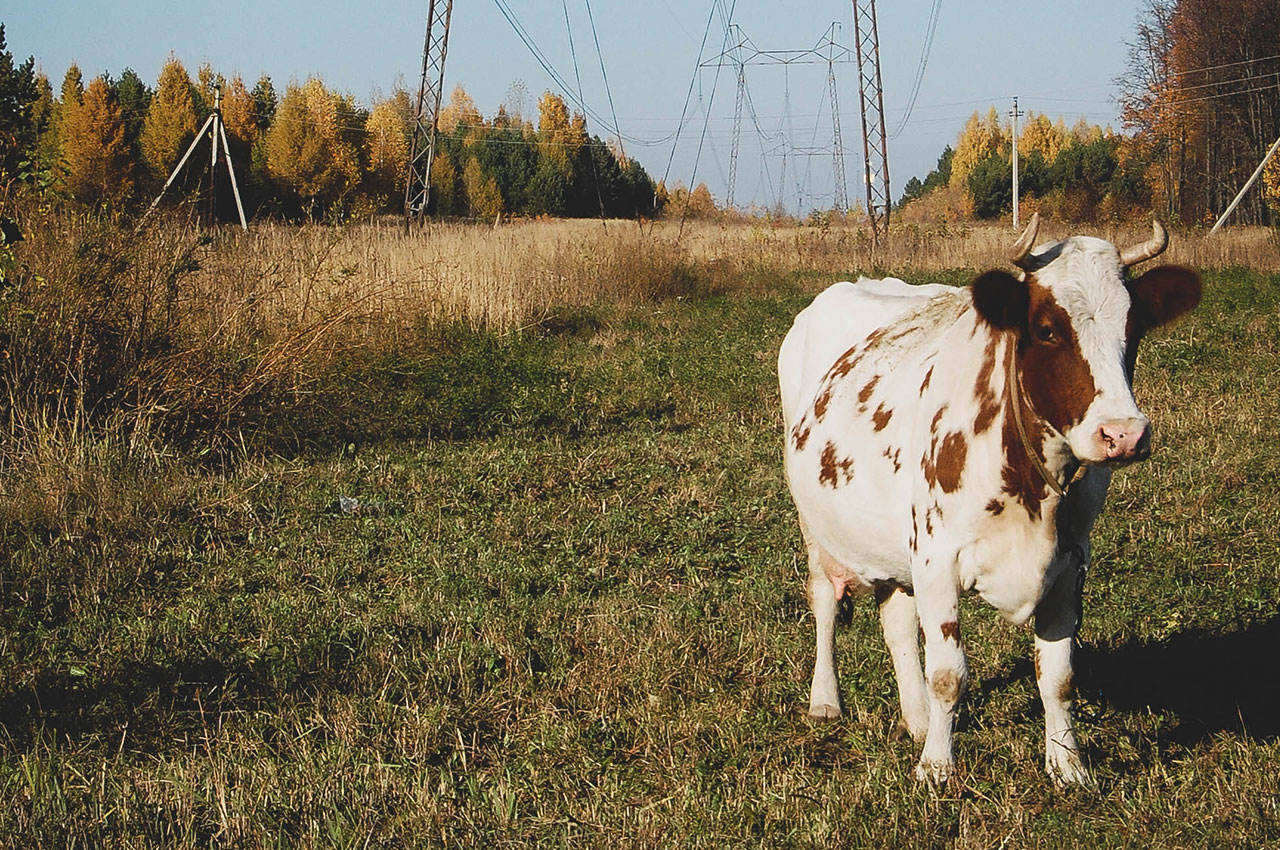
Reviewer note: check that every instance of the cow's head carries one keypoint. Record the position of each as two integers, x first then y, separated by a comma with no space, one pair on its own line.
1078,317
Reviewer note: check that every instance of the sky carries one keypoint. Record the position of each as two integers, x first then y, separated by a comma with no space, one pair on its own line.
1057,59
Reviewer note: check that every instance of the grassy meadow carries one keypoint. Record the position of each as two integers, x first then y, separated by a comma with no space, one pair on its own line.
479,538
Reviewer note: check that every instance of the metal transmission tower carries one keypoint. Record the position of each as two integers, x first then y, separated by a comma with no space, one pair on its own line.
874,147
743,52
422,150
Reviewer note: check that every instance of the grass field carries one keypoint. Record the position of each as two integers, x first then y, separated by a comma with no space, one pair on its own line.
561,604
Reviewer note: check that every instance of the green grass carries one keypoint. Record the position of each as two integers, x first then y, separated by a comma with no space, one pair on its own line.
569,610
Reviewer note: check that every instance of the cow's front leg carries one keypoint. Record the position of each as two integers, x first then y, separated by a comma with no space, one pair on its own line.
1056,624
945,670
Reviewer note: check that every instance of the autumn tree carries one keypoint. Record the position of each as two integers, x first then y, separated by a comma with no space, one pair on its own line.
981,138
308,152
387,149
459,111
171,120
484,200
1200,93
96,150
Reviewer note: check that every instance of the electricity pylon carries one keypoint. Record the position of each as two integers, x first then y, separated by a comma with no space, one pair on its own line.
744,52
871,96
426,119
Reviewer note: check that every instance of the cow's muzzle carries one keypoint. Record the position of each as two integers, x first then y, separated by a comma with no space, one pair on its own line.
1125,440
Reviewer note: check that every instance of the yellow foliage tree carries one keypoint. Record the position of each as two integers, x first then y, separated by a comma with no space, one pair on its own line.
557,129
1271,184
386,147
171,119
461,109
95,149
484,199
306,149
980,138
1041,134
444,181
237,112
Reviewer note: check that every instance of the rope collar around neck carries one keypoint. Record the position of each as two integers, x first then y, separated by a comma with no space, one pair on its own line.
1017,396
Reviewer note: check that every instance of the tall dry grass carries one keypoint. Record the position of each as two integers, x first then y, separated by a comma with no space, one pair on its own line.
111,332
506,277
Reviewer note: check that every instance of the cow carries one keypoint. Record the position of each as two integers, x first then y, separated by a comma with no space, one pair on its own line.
943,439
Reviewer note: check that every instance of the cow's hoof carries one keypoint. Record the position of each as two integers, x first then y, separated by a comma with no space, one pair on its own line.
824,713
1068,772
935,774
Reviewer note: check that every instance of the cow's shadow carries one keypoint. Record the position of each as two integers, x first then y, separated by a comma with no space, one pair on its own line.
1210,680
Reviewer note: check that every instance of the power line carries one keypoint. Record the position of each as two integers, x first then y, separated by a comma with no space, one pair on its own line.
924,62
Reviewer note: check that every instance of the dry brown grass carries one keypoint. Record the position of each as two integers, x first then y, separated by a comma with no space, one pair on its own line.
506,277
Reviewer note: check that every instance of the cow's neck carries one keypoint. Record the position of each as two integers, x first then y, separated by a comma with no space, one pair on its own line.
1038,460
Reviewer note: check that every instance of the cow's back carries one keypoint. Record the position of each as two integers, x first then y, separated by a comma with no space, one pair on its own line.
845,315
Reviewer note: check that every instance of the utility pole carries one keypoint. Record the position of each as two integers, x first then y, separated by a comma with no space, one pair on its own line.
214,127
1015,113
871,96
417,190
1234,203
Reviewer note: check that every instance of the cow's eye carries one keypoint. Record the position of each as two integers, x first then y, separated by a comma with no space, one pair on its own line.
1045,334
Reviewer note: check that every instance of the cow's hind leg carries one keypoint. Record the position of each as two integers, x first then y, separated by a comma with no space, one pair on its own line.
1056,624
901,627
824,692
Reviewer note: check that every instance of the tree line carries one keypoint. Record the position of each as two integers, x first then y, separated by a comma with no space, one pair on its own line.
1200,101
310,152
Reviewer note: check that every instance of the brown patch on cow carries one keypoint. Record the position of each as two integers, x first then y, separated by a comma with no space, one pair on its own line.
1067,690
915,530
865,392
1020,480
883,588
928,522
983,393
1035,657
893,455
946,685
995,507
1055,376
800,436
844,364
951,631
881,417
820,404
924,385
950,461
834,471
937,417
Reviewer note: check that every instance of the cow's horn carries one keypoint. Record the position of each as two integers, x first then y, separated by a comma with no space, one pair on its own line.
1021,248
1146,250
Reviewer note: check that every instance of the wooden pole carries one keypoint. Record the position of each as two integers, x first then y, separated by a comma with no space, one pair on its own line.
178,167
235,190
1231,207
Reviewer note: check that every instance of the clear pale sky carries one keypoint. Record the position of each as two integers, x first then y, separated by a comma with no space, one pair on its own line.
1059,59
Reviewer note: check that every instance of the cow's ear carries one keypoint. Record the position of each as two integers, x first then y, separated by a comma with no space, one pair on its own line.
1163,294
1001,300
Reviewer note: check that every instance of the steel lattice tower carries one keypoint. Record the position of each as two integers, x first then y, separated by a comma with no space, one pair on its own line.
417,191
743,52
871,97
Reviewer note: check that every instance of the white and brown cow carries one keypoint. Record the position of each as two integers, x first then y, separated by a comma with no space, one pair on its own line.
943,440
